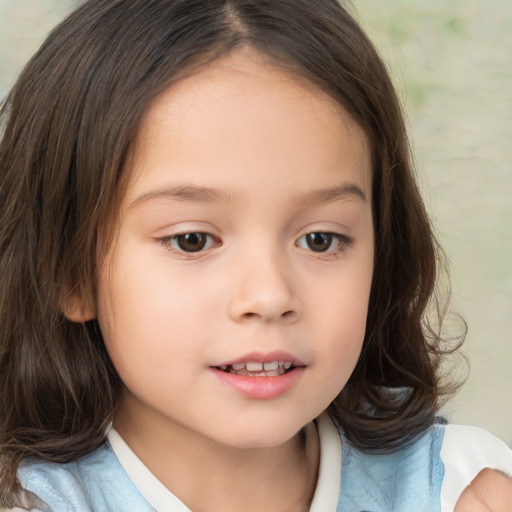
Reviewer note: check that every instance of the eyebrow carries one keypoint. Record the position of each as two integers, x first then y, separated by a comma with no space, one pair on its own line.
200,194
192,193
331,194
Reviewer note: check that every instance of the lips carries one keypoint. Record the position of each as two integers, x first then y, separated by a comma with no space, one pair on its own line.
258,369
261,376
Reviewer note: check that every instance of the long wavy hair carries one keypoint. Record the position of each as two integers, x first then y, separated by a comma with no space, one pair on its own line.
67,128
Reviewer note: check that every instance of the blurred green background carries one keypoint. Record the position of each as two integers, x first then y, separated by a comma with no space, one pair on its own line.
452,64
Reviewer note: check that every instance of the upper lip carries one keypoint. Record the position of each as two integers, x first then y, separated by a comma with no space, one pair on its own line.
263,357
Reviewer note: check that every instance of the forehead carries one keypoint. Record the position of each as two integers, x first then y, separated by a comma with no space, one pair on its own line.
242,117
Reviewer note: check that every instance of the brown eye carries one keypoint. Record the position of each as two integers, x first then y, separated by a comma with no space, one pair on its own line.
319,242
191,242
325,242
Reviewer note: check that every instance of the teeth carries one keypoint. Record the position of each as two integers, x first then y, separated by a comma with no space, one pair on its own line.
271,373
254,367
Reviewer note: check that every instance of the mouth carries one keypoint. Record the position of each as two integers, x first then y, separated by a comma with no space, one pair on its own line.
260,376
258,369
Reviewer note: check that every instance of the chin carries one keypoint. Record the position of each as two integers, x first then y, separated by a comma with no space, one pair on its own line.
261,435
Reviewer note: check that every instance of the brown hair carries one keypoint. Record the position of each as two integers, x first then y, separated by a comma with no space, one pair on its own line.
68,126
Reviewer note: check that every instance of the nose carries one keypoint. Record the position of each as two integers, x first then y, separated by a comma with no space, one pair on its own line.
262,290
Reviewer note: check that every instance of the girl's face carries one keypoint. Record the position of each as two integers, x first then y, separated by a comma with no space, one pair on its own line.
245,245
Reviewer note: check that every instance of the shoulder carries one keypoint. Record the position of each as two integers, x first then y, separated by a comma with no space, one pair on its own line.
94,482
432,472
406,479
62,486
467,447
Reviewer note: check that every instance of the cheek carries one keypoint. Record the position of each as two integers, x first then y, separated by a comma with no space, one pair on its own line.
152,316
341,315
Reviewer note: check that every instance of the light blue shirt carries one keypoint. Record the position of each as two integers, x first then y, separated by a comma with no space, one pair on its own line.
410,479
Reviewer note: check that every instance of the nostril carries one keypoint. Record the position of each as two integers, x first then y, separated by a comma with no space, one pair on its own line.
287,315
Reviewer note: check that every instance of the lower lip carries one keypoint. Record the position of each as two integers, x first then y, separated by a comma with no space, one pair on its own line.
260,388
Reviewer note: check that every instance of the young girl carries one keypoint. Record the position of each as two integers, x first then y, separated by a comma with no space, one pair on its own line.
215,270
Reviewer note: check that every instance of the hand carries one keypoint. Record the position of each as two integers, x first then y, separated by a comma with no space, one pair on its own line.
490,491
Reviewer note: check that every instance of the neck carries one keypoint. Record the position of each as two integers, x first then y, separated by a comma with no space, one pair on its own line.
212,477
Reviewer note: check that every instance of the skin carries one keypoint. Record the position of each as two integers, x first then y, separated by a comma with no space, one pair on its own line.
283,161
490,491
257,159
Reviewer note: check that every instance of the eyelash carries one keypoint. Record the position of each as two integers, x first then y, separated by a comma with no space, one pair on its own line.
343,242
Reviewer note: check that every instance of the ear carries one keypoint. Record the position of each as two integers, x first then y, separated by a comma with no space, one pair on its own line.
77,310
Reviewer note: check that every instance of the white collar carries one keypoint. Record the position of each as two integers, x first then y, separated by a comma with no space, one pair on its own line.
154,491
328,486
161,499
